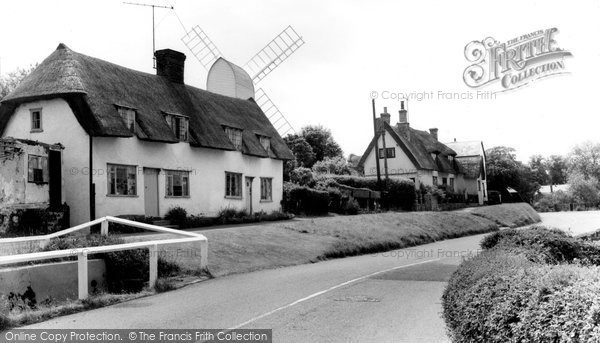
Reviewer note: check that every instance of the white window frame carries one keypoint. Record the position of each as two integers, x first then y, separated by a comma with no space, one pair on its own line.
266,189
170,178
39,120
130,170
233,185
36,162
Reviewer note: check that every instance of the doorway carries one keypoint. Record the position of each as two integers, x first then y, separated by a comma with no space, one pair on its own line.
151,192
55,176
249,180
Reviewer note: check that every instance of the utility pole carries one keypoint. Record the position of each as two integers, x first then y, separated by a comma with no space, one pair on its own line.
376,146
153,33
385,163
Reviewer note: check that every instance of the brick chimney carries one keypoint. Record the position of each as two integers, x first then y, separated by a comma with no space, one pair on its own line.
385,116
434,132
170,64
403,123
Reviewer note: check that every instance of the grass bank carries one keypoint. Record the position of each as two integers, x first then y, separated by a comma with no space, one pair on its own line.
244,249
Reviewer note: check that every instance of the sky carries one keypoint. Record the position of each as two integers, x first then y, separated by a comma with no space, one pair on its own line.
354,50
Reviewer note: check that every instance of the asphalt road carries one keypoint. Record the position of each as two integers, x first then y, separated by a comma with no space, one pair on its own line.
576,223
386,297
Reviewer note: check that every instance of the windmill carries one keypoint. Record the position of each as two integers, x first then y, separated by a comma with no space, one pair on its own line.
229,79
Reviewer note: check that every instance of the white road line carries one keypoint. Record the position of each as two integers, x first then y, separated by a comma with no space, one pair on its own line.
326,291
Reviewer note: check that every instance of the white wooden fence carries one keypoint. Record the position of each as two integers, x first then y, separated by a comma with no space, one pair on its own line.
82,253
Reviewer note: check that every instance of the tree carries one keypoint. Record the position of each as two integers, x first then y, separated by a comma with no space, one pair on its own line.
538,166
557,167
10,81
321,142
584,189
504,170
303,152
336,165
584,159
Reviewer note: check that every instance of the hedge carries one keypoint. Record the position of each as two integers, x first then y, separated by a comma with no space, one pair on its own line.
396,194
301,199
526,286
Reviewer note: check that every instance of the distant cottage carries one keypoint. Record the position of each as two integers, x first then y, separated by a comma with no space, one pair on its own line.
136,143
419,156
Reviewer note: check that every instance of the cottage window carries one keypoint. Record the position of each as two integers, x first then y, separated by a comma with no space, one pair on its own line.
122,180
444,181
180,126
37,170
235,136
178,183
36,120
128,115
266,143
435,180
389,153
266,189
233,185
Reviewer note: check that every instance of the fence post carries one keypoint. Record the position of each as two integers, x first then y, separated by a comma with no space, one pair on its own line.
153,250
104,228
82,274
204,254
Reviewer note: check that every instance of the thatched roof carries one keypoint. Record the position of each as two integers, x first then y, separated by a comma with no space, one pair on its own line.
471,166
418,146
467,148
93,88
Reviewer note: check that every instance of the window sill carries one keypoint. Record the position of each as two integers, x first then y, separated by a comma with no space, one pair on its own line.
40,183
177,197
266,201
121,196
233,198
36,130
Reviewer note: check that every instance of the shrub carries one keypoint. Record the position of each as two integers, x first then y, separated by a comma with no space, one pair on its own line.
543,245
120,228
351,207
505,295
176,215
396,194
301,199
126,271
302,176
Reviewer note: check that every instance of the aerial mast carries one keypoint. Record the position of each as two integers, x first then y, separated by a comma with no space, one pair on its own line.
153,33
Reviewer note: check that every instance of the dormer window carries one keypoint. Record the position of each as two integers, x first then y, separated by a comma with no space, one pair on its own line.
265,142
180,126
235,136
128,115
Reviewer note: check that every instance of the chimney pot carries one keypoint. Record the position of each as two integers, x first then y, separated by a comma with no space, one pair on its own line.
434,133
170,64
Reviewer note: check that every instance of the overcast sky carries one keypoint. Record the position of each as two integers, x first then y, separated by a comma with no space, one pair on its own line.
352,49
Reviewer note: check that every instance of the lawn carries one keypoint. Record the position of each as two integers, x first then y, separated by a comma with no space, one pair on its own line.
249,248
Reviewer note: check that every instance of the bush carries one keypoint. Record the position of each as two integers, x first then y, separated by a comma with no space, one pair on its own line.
396,194
126,271
302,176
505,295
543,245
176,215
351,207
120,228
301,199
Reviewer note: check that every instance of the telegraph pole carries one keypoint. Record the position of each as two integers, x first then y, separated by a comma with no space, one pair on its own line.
376,146
153,33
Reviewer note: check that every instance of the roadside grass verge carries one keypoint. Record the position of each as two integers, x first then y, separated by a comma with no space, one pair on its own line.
245,249
508,215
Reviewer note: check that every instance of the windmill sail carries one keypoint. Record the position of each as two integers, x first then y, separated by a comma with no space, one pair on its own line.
280,123
273,54
202,47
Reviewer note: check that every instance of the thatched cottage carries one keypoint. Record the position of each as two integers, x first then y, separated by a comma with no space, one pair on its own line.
137,143
419,156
